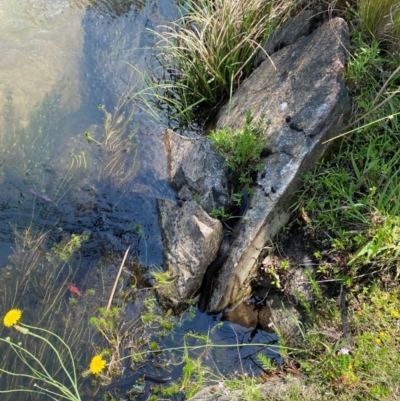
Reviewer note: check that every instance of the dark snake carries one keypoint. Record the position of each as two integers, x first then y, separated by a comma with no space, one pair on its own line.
222,255
129,381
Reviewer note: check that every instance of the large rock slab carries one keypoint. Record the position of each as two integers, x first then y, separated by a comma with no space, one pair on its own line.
302,93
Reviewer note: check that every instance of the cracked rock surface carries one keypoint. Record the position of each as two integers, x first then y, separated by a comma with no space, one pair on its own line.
301,91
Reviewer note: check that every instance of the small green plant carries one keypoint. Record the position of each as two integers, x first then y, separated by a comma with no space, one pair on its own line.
275,279
169,391
65,249
285,265
108,324
193,369
266,362
219,213
168,326
148,318
137,228
162,278
242,149
154,346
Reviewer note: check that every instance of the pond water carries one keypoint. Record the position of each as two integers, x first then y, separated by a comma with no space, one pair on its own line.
79,183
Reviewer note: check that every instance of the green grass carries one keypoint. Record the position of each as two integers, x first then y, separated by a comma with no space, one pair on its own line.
242,149
350,202
350,208
368,369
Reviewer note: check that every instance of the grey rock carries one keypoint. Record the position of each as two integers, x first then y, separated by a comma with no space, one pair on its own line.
303,95
194,165
191,239
287,34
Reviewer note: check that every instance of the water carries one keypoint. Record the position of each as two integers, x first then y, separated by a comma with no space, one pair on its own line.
70,169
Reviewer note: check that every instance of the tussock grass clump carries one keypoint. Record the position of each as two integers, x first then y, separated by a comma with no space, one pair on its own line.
208,51
381,20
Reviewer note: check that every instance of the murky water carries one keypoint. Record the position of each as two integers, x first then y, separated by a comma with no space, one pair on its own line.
60,60
59,64
41,43
76,177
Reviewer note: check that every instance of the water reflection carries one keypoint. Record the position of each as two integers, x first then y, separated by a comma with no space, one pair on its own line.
115,8
41,42
56,184
44,149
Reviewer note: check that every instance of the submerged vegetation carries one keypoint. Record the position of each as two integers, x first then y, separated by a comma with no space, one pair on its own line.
35,277
45,270
119,153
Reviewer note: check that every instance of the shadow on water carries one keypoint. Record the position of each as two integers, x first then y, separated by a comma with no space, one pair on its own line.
78,189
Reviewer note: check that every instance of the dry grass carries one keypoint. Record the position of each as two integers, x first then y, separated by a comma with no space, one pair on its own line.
380,19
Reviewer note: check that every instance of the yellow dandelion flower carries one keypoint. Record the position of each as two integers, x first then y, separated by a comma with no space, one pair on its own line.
97,364
382,334
378,340
396,314
12,317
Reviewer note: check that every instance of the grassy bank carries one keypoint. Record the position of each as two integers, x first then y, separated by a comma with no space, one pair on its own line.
349,210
